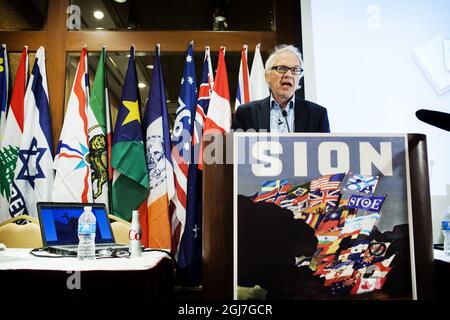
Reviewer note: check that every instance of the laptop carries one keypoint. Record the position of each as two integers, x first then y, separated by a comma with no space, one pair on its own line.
59,227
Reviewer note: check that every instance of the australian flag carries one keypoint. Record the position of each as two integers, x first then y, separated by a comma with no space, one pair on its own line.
182,145
190,250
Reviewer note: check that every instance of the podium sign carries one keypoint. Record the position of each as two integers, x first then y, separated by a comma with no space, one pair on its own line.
322,216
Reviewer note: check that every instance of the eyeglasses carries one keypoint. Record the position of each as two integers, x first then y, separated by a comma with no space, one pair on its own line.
284,69
112,253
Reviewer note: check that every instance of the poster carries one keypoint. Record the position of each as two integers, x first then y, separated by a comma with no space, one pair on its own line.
322,216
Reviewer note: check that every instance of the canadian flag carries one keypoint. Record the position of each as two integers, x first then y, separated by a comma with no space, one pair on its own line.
219,111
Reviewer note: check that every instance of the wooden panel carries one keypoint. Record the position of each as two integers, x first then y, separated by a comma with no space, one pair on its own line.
16,40
421,208
288,22
218,231
56,63
169,40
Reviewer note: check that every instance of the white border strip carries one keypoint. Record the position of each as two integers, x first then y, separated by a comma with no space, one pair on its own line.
410,222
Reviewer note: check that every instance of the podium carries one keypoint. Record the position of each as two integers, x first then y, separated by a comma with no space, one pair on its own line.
218,202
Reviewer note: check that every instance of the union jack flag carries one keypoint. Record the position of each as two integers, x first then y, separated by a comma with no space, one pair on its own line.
330,198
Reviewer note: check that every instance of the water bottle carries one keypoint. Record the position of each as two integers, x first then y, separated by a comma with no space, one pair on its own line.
86,235
135,235
446,230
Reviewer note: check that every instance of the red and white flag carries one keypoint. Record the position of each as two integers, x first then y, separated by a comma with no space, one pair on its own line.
219,112
13,130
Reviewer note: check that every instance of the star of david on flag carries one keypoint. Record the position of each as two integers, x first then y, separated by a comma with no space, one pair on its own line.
34,173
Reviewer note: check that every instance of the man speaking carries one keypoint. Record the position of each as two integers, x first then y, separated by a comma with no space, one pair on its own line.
282,111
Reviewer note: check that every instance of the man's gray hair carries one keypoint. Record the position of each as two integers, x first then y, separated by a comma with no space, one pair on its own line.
280,50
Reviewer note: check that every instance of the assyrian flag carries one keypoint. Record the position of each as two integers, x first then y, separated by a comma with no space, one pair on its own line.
219,112
159,162
243,87
73,173
99,132
258,85
34,173
181,141
11,141
204,96
130,182
4,88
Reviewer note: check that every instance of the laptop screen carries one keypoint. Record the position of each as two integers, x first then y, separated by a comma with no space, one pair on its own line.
59,223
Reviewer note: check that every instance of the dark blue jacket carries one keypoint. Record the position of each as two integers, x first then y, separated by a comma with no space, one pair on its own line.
309,117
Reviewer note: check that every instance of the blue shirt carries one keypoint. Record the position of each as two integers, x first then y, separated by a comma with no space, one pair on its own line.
277,120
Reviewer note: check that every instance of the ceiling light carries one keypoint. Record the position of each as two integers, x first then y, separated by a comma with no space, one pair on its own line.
120,1
149,66
98,14
141,85
100,28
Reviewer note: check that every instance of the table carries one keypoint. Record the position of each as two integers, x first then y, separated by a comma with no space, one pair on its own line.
24,275
441,275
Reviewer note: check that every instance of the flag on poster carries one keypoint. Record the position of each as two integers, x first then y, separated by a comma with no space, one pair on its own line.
204,96
11,142
369,203
258,85
130,181
181,141
159,161
4,88
243,87
73,173
34,173
99,124
361,183
219,111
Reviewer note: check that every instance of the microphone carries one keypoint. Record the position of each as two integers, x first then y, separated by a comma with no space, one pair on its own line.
284,113
435,118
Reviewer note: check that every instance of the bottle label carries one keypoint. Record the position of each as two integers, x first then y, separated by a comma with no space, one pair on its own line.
445,225
134,235
86,228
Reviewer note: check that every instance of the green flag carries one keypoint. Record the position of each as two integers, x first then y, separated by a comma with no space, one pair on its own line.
99,123
130,186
